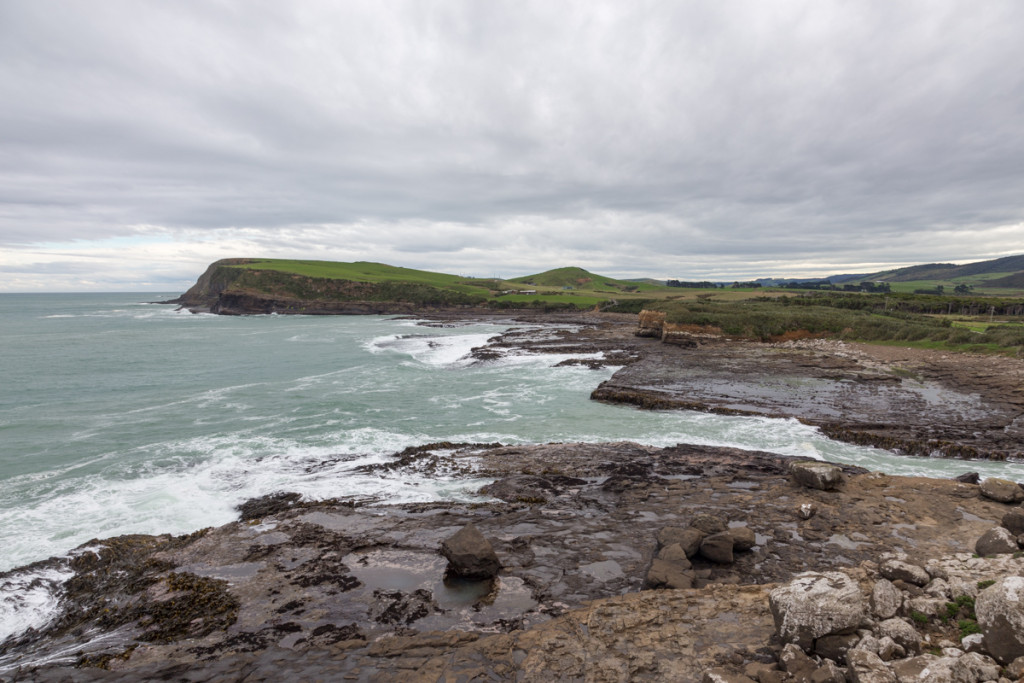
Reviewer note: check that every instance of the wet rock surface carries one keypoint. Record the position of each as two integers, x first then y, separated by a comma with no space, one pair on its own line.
337,589
913,401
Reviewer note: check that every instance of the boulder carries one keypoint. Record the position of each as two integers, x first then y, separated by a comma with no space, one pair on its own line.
816,475
867,667
968,478
974,668
1000,611
828,672
1014,521
835,647
676,555
795,662
743,538
886,599
924,669
1002,490
708,524
717,548
665,574
470,555
900,570
816,604
889,650
904,635
688,539
1016,668
996,541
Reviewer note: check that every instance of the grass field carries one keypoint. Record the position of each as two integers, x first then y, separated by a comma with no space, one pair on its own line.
933,321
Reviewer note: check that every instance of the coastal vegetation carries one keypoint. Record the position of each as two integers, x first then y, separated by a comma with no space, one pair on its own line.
951,314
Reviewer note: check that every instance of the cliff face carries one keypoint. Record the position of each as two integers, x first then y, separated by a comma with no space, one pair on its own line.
206,291
229,290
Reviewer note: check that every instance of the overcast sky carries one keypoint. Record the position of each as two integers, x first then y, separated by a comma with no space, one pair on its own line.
141,139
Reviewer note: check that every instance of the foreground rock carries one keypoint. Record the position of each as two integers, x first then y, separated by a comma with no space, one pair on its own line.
336,589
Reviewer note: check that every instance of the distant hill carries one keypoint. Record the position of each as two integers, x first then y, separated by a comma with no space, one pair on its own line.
999,268
578,278
246,285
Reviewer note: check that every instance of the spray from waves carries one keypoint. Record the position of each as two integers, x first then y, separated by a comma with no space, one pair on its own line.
432,350
202,483
29,599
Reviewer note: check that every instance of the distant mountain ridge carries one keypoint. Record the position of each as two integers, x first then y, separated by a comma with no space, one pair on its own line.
1008,271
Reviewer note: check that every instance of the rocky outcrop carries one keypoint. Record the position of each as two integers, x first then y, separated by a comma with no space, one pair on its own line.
650,324
1000,610
815,605
307,590
470,555
891,647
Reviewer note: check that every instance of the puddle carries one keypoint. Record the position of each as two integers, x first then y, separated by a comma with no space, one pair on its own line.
603,571
843,541
409,571
743,484
231,572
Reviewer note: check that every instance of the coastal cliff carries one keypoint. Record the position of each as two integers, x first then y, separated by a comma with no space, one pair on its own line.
237,287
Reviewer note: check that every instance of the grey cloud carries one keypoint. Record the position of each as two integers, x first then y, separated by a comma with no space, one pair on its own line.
744,131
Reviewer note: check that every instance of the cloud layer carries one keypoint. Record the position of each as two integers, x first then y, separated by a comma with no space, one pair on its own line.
140,140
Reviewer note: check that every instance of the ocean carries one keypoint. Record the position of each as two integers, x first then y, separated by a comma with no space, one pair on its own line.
120,416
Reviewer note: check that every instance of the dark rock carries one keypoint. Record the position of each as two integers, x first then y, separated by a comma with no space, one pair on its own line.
835,647
688,539
796,663
268,505
743,538
676,555
817,475
708,524
1014,521
664,574
996,541
717,548
829,672
470,555
968,477
522,488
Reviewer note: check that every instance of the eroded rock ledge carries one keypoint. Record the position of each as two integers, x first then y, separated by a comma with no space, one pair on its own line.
338,591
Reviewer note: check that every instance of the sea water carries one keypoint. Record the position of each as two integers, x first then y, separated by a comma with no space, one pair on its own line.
120,416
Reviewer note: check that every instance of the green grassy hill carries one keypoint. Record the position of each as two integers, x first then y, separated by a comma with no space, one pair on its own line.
244,284
584,280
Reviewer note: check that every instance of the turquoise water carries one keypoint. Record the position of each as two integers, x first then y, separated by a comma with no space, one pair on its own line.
118,416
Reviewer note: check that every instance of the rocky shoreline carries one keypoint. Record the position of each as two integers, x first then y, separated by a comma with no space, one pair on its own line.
618,561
